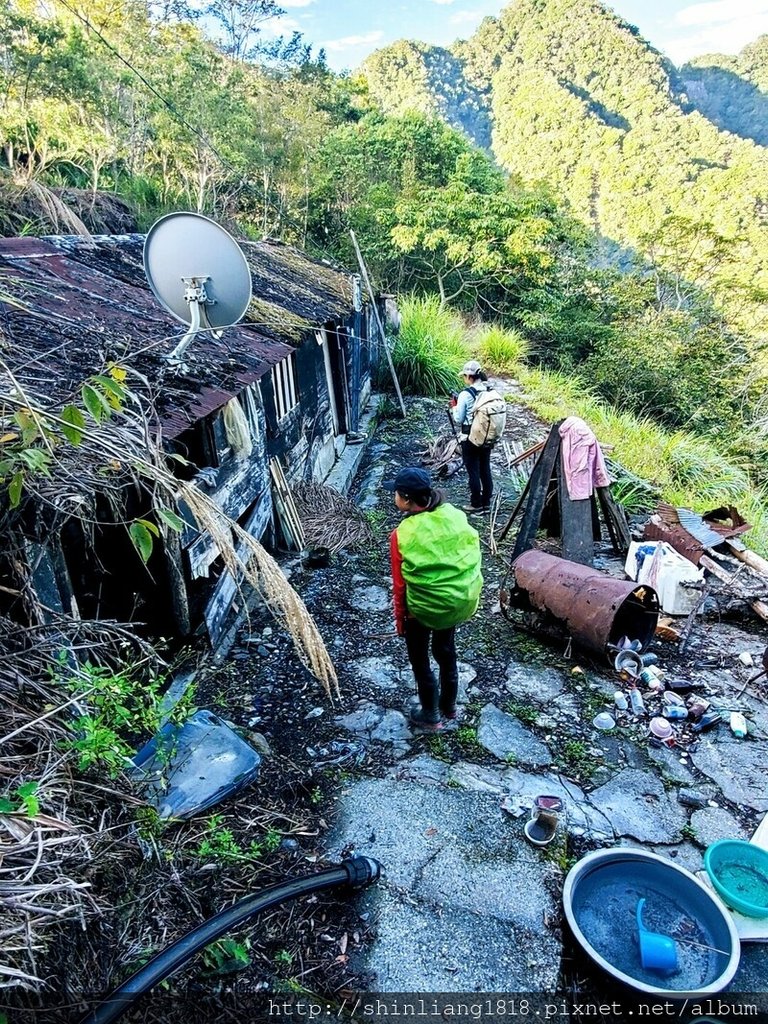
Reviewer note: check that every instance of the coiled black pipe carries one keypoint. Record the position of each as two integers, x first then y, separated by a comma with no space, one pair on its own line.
357,873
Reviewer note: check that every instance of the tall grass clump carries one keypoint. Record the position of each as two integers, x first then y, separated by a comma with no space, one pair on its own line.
687,470
499,351
430,348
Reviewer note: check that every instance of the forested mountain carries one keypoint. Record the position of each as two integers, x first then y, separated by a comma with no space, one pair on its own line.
116,111
732,91
578,99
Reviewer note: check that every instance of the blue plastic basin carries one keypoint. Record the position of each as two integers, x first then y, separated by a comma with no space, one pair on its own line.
739,873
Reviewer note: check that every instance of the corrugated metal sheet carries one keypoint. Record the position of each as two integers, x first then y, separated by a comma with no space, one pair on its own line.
86,300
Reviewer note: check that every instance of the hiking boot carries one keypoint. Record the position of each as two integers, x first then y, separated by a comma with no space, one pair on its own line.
473,510
450,714
427,721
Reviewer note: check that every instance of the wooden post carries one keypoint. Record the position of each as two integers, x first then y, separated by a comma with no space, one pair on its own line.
364,272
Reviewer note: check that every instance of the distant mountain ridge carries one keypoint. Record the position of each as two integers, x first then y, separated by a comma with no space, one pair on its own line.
568,92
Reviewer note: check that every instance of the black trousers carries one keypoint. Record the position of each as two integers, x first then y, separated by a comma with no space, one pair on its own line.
431,694
478,465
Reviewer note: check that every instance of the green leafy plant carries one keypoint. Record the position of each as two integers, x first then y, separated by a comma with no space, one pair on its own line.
502,351
23,800
283,958
120,709
466,737
430,348
226,956
220,844
525,712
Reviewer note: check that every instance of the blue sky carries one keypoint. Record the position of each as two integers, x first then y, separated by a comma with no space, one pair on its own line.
350,29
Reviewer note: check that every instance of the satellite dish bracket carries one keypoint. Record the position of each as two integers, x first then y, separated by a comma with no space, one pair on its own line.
197,299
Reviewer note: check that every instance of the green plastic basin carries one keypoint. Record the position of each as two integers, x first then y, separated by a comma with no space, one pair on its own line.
739,873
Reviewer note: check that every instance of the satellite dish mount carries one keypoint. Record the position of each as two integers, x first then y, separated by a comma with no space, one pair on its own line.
197,299
197,272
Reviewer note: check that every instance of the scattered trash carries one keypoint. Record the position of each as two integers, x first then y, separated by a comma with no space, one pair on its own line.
659,566
620,700
739,872
337,752
707,721
314,713
738,724
637,702
545,817
660,728
628,662
746,659
675,712
604,721
185,769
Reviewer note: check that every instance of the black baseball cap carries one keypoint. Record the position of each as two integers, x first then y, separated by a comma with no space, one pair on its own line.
410,480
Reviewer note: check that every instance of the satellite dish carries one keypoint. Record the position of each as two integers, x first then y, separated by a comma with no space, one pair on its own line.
197,272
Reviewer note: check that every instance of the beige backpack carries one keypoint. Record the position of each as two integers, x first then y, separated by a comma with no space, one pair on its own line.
489,418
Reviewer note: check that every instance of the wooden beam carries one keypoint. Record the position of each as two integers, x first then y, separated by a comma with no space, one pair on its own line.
577,544
750,558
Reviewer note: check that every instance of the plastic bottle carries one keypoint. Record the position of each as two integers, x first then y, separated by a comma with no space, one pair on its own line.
738,724
636,700
707,721
620,700
675,712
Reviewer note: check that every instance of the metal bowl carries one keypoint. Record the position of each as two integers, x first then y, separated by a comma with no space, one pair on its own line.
600,896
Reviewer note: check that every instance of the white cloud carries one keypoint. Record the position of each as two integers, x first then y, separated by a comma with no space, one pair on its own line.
296,3
720,11
346,42
279,26
724,33
443,1
466,18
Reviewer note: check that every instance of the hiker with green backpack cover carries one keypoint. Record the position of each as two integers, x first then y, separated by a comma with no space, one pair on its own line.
436,578
481,413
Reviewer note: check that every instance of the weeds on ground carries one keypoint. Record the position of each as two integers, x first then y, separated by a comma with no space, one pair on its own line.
576,758
220,844
225,956
22,800
525,712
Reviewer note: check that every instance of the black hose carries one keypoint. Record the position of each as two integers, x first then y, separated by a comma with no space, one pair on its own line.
357,873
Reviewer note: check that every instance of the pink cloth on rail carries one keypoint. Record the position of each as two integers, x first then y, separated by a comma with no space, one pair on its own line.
583,462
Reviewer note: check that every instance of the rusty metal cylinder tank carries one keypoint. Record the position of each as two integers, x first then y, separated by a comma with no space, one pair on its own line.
596,609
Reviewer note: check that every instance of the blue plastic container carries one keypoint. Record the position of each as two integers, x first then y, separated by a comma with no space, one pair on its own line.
739,873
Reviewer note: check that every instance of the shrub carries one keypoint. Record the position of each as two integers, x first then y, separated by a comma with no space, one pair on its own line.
430,348
501,351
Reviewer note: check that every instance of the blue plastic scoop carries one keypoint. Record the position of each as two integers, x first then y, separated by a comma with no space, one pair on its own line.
657,952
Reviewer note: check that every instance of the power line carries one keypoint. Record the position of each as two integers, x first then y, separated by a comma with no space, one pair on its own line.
191,128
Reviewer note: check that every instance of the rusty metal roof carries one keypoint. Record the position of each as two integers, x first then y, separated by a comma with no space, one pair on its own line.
83,301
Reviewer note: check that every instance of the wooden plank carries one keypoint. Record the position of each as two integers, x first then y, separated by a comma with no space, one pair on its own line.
226,589
539,486
750,558
577,544
505,529
615,520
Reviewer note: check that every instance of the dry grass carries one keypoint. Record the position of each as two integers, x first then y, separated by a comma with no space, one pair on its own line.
329,519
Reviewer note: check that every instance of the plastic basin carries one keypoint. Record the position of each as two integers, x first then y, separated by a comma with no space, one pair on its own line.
739,873
600,898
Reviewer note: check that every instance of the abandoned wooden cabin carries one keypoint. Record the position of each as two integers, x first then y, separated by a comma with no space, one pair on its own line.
288,383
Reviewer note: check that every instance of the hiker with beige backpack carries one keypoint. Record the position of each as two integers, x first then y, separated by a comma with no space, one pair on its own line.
480,412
